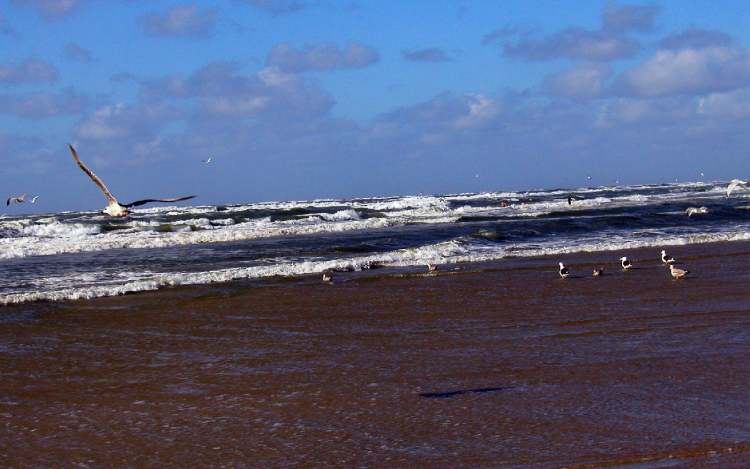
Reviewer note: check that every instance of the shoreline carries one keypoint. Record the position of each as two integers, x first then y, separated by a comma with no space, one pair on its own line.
576,260
502,366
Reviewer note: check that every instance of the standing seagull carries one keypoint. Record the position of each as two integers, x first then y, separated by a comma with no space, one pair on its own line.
16,200
625,263
114,208
669,260
735,184
677,273
431,267
563,271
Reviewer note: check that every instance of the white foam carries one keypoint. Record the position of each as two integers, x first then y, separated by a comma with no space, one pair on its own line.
451,252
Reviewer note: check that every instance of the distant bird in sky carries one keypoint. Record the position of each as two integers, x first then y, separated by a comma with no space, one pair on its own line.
696,211
114,208
677,273
625,263
33,199
208,160
734,185
16,200
701,174
564,272
669,260
588,177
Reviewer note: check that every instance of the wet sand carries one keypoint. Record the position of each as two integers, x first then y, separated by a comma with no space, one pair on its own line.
496,365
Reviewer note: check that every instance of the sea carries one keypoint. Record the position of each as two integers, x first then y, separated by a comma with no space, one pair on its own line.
74,255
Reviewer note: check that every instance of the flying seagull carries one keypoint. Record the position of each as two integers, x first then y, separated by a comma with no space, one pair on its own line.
625,263
207,161
677,273
669,260
696,211
33,199
563,271
16,200
115,208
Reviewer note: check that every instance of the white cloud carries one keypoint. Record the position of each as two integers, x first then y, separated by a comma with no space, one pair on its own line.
688,71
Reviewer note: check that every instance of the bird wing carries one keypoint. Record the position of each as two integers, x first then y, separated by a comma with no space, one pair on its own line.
145,201
110,198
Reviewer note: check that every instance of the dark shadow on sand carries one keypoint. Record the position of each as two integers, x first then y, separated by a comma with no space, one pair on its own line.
449,394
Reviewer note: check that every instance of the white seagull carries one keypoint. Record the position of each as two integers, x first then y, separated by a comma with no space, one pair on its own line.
669,260
33,199
207,161
327,277
677,273
563,270
16,200
598,272
115,208
696,211
734,185
625,263
431,267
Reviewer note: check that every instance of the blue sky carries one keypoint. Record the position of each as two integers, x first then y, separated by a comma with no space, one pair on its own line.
302,99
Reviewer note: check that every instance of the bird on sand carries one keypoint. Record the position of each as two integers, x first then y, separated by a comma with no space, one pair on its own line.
625,263
665,258
19,199
598,272
696,211
563,271
431,267
734,185
115,208
677,273
327,277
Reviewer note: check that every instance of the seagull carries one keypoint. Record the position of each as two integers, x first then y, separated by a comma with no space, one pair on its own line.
669,260
696,211
625,263
33,199
431,267
734,185
677,273
598,272
208,160
114,208
327,277
563,271
16,200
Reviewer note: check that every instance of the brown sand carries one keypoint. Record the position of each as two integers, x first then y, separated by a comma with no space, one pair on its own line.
500,365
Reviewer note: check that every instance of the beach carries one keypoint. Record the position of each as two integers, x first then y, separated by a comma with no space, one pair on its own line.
499,364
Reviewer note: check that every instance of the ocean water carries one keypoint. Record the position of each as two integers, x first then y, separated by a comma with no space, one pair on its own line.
75,255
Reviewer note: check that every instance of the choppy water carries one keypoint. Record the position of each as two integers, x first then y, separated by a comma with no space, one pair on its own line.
86,254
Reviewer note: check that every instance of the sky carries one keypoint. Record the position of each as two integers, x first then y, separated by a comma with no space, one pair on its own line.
307,99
